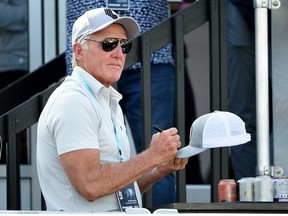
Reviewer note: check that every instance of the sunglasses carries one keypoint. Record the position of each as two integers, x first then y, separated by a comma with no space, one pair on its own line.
110,44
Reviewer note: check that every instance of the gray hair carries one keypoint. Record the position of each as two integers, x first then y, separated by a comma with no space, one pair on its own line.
74,60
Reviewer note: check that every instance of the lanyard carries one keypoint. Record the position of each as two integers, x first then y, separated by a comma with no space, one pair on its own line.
118,139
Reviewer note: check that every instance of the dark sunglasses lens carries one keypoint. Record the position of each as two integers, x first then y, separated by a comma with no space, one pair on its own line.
109,44
126,46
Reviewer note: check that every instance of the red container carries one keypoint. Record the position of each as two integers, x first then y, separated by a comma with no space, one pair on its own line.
227,190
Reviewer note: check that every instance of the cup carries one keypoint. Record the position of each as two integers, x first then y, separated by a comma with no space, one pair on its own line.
263,187
246,189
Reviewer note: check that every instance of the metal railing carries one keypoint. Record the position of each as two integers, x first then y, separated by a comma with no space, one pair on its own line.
172,30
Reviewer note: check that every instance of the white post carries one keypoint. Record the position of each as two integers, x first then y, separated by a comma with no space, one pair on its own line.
262,83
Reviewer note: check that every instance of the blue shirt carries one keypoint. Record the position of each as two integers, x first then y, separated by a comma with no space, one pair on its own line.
147,13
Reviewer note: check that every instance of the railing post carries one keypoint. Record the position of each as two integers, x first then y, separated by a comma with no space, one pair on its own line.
262,84
218,83
146,102
178,45
13,169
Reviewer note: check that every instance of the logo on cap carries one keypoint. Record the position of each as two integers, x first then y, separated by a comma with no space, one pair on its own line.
109,12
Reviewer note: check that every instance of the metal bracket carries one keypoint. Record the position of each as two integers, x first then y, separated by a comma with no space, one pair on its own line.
276,171
273,171
263,170
270,4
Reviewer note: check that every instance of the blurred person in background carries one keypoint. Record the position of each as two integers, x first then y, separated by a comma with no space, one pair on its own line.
13,41
241,82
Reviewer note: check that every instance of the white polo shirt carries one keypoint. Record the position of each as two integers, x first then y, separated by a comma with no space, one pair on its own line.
75,119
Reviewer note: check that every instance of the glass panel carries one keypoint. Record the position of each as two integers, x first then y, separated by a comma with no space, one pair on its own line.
279,83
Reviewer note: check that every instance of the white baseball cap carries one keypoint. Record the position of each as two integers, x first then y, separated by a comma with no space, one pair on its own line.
97,19
213,130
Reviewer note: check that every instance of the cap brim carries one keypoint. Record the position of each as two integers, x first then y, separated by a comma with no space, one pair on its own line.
189,151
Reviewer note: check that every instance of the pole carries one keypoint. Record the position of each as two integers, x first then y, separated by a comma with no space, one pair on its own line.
262,86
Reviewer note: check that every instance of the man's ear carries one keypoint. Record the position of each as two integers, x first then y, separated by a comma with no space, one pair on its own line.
77,50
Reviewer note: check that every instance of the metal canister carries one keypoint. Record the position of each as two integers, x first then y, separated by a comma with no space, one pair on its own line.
246,189
280,186
227,190
263,188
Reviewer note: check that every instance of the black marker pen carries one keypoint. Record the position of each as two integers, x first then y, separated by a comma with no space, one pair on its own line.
156,127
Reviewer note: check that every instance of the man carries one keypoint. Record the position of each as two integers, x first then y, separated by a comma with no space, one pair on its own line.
83,155
147,13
